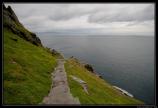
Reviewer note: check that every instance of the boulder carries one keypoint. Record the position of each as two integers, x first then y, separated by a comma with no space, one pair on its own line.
89,67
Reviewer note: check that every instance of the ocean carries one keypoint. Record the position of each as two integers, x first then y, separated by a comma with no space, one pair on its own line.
123,61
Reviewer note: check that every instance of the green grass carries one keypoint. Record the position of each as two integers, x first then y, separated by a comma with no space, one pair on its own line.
55,53
58,55
27,71
100,91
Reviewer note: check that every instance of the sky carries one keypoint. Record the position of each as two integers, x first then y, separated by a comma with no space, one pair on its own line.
103,18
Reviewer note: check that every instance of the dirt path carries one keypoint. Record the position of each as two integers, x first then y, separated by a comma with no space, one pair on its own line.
60,91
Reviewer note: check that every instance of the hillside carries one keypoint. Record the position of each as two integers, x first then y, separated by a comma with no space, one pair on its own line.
100,92
28,66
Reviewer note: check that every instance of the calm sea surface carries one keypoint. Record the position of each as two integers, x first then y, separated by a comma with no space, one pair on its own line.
123,61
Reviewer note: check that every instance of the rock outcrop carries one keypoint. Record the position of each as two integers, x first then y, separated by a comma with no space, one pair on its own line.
89,68
11,22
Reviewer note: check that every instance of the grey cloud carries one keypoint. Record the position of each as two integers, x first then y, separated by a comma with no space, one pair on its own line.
98,13
48,17
123,15
69,12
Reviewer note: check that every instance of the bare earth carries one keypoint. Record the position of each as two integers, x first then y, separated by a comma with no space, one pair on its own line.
60,91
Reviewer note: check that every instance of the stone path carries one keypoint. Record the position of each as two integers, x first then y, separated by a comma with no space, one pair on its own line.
60,91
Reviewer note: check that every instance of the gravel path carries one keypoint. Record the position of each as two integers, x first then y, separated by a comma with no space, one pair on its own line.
60,91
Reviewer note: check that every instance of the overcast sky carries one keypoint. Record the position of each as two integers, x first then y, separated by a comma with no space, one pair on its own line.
110,19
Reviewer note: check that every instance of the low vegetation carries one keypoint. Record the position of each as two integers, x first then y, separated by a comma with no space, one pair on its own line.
27,70
27,64
55,53
100,92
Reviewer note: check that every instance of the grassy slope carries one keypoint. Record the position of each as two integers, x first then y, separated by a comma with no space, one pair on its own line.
100,91
27,69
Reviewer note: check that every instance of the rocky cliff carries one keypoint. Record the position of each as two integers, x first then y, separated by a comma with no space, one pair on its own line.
11,22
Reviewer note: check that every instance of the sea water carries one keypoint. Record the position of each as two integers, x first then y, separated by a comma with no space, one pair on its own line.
123,61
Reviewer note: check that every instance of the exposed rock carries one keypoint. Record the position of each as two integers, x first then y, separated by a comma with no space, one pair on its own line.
14,39
81,82
54,52
35,39
4,7
89,67
12,15
13,61
12,23
99,76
